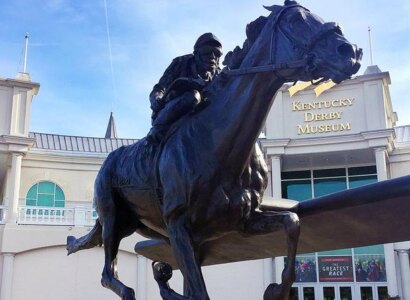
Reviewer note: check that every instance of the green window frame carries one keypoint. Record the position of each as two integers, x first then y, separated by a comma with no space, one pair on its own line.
308,184
45,194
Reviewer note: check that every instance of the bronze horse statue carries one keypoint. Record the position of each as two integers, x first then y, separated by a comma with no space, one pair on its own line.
207,178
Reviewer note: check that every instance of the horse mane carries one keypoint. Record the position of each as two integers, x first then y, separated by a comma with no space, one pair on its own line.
233,59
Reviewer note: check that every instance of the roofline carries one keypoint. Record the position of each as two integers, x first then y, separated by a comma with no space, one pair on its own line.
82,136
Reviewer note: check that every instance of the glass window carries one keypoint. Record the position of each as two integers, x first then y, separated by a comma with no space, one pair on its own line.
46,187
309,293
31,202
345,293
336,252
362,170
45,193
382,293
377,249
45,200
366,293
327,186
296,175
59,203
294,293
299,190
329,173
360,176
358,181
59,194
32,193
329,293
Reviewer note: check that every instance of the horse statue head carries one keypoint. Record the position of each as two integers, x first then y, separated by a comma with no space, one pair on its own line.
301,47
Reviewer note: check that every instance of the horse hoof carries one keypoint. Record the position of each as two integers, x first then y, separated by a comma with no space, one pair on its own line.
70,244
162,271
129,294
275,292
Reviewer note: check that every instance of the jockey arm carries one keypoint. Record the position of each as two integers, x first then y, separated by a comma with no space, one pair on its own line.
157,95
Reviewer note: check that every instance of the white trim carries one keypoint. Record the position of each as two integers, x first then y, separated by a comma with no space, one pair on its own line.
363,140
39,215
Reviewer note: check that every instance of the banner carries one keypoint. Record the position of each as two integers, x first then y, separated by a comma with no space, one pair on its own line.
335,269
370,268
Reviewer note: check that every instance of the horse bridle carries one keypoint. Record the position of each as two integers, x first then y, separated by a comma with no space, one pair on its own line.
301,63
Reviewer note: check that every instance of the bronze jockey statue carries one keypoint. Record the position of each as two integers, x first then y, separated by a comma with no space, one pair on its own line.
178,92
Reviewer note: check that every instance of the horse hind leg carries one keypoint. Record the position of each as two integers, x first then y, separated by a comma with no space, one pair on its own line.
113,232
109,279
92,239
266,222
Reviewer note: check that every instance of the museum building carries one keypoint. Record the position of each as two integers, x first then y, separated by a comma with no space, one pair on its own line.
317,140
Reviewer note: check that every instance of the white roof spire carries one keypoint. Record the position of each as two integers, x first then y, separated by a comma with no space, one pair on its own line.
25,53
24,75
370,45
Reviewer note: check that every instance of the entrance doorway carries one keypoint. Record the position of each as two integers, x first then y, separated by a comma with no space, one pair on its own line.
372,292
303,293
337,292
340,291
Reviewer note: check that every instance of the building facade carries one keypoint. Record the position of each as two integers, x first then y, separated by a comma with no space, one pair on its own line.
320,143
316,142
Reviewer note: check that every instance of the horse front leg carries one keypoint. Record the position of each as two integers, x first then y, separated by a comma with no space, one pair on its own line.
266,222
162,273
187,260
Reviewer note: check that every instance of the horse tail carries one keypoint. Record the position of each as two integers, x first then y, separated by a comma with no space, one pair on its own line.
90,240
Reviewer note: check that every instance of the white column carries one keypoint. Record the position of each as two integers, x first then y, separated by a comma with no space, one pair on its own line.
141,289
268,274
276,166
404,272
279,266
7,277
276,176
381,166
391,274
381,163
14,182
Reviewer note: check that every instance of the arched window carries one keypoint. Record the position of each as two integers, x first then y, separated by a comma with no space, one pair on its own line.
45,193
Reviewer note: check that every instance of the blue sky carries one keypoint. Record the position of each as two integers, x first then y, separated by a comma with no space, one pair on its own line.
69,54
